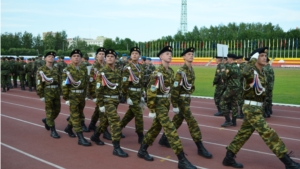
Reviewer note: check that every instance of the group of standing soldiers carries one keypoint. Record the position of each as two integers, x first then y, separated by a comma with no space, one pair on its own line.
229,88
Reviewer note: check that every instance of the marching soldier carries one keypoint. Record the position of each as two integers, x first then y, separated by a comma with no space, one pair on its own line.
132,89
241,64
183,87
74,90
98,64
5,72
219,82
61,65
29,72
14,71
22,73
149,68
158,93
48,89
270,85
254,95
229,98
107,93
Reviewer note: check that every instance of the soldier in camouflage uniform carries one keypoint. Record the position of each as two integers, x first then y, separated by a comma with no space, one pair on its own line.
85,61
14,71
98,64
149,68
74,90
107,92
182,89
61,65
5,72
39,62
158,93
254,95
22,73
29,72
219,82
230,97
241,64
132,89
269,90
48,89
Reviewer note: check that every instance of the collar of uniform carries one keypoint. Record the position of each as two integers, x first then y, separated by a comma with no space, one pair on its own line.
108,68
161,67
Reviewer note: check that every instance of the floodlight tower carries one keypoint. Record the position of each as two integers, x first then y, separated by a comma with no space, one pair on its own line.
183,20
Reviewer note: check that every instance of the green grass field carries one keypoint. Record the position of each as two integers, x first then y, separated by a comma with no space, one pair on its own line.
286,89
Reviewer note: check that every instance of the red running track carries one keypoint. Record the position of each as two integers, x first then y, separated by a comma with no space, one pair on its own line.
26,144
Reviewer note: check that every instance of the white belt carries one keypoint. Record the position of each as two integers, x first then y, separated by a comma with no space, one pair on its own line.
112,96
52,86
135,89
165,95
77,91
253,103
185,95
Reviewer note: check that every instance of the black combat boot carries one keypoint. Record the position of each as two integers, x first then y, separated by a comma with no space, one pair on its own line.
69,130
270,108
241,115
92,126
142,153
3,89
44,120
233,121
106,135
229,160
267,111
289,163
218,113
184,163
227,121
202,151
141,137
117,150
54,133
122,135
164,141
8,88
82,140
23,88
30,89
84,128
68,118
95,138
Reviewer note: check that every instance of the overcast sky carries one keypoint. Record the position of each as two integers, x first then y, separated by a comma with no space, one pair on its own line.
139,20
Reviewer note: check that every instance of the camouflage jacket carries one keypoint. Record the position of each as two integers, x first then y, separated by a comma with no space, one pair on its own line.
29,68
86,63
233,76
111,89
78,73
5,68
49,73
21,67
183,85
248,73
13,66
242,66
134,81
218,81
270,76
61,65
39,63
149,68
93,76
153,89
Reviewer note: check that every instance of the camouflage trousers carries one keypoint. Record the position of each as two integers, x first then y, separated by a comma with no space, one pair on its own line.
218,95
22,79
134,111
254,121
230,97
5,81
162,120
111,118
185,113
15,77
31,80
52,105
241,99
269,98
95,115
77,103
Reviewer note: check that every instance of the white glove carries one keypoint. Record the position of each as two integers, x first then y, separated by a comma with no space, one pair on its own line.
129,101
68,102
95,100
102,109
152,115
142,99
176,110
42,99
255,55
86,98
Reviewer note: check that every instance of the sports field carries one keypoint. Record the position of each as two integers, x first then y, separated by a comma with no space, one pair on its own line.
286,89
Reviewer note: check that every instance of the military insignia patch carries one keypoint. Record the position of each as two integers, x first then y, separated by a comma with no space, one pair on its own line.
38,82
124,79
98,85
175,84
91,79
153,88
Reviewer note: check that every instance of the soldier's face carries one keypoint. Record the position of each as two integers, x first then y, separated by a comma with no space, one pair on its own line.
229,60
147,62
239,61
262,59
49,58
135,56
189,56
75,58
166,56
218,60
100,56
110,59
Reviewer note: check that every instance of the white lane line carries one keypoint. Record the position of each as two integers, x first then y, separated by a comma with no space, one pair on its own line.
32,156
24,121
222,145
218,128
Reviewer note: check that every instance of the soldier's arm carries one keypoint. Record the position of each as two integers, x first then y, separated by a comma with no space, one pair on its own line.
39,85
99,91
92,83
217,75
152,92
176,90
65,87
125,81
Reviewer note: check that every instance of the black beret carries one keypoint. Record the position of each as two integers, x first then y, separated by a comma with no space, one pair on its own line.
268,59
191,49
220,57
135,49
230,55
260,50
247,59
165,49
50,53
40,56
240,57
29,59
62,57
22,58
101,49
76,51
110,51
